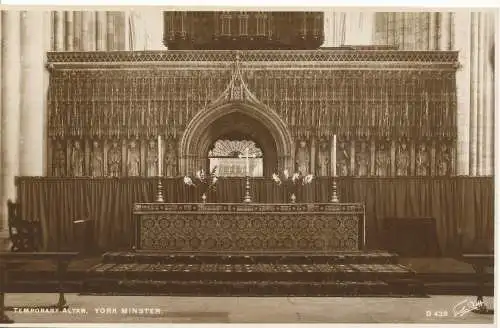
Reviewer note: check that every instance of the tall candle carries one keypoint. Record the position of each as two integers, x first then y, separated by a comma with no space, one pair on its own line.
334,155
248,164
160,162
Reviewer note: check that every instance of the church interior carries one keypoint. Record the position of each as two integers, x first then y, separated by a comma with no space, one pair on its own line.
248,153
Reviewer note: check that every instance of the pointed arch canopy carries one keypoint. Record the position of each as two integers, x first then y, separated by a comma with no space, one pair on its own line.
236,99
193,150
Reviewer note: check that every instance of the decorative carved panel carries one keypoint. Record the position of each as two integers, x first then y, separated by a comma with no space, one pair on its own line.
240,228
361,96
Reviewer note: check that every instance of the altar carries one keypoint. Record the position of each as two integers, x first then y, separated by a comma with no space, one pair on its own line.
252,228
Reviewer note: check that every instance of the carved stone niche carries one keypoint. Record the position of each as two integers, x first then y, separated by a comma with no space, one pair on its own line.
402,157
383,158
59,159
114,158
422,158
96,158
323,158
362,158
133,158
302,157
443,159
343,157
152,158
170,158
77,158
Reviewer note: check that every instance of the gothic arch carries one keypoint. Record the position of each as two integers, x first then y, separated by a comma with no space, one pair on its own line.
193,150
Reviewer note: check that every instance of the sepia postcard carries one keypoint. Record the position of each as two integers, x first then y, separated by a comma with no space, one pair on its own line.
267,165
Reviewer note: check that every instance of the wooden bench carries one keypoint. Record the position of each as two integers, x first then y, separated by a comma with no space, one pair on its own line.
25,235
10,259
480,262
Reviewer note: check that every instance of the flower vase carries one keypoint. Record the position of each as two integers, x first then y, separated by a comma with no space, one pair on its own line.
292,198
204,198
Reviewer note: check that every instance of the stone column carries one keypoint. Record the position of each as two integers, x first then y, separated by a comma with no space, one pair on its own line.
339,29
92,31
410,22
46,76
481,93
463,45
399,30
445,31
363,28
68,24
32,94
353,28
101,23
77,31
328,28
154,30
126,28
474,94
11,75
119,30
432,31
85,33
110,24
488,116
452,31
3,219
137,30
58,31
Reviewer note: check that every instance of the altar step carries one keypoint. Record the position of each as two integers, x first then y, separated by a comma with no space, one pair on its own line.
335,274
375,257
252,272
252,288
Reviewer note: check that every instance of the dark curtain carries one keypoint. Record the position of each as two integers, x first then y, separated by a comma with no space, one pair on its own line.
461,206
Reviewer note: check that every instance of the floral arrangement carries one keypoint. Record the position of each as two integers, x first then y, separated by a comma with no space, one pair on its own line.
292,182
205,182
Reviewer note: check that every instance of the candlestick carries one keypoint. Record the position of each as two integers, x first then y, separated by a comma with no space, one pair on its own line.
159,192
335,198
247,198
248,162
334,159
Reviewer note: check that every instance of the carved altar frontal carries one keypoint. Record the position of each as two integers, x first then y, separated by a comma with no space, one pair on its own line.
249,228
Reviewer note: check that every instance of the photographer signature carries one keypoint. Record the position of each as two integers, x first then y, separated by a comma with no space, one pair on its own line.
466,306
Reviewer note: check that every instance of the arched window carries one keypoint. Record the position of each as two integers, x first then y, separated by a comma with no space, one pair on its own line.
228,156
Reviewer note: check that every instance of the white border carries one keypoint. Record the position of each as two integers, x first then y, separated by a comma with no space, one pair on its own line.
264,3
397,5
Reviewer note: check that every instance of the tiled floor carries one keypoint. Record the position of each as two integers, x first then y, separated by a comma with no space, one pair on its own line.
165,309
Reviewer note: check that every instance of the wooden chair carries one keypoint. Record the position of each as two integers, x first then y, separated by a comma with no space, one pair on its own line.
25,235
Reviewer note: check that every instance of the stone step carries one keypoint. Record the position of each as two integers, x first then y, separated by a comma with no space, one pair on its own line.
372,257
251,272
247,288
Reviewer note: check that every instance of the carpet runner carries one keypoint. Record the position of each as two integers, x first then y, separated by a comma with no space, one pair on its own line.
336,274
